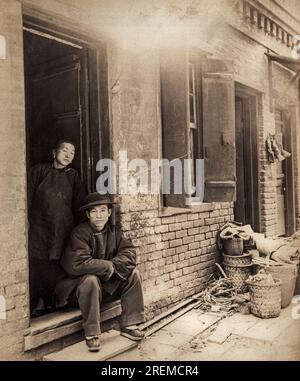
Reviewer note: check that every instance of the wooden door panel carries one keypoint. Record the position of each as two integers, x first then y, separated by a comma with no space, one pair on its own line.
239,205
219,130
56,112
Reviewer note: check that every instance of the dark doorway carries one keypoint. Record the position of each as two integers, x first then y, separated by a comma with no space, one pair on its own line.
246,207
62,93
56,99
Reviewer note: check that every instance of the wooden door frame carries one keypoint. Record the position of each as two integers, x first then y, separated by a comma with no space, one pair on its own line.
289,119
250,99
99,146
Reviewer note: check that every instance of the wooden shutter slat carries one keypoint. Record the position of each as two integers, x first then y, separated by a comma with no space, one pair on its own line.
174,102
219,131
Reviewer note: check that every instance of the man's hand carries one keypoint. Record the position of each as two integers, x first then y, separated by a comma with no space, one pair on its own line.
110,271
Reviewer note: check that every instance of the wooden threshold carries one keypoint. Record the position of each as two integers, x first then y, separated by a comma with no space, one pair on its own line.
51,327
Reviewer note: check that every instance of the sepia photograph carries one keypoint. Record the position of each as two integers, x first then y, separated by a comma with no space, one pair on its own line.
150,183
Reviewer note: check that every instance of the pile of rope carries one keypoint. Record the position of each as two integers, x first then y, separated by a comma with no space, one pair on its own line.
221,295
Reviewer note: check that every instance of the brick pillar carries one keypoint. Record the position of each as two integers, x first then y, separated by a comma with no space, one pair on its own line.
13,254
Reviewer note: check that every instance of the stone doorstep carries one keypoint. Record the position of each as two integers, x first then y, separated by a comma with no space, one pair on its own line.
112,344
54,326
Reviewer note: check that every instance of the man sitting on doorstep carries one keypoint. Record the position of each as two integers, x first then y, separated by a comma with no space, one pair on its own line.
101,265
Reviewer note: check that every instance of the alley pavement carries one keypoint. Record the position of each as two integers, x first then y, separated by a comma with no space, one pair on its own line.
209,336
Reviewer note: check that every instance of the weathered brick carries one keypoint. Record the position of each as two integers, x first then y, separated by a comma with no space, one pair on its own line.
193,217
176,242
204,243
168,220
188,224
182,264
199,222
194,245
204,229
159,263
174,227
169,260
193,231
170,268
161,229
195,260
188,239
200,237
16,289
155,273
214,227
188,270
168,236
181,249
215,213
155,255
181,218
176,274
203,215
169,252
162,245
181,233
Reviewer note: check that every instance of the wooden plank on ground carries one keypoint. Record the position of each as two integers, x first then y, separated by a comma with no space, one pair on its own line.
48,336
112,344
54,320
59,318
73,323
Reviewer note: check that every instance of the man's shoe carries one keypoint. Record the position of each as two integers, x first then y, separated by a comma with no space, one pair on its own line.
93,343
132,333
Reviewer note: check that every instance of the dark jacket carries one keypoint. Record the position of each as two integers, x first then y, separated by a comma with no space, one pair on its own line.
82,256
53,196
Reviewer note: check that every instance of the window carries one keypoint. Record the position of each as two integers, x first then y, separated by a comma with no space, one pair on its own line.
197,104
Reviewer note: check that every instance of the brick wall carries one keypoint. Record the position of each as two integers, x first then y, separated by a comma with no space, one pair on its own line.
176,253
13,254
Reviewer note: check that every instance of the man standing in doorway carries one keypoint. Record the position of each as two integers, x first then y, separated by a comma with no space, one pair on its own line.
101,264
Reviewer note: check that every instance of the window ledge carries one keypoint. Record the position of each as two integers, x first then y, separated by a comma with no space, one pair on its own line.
56,325
196,208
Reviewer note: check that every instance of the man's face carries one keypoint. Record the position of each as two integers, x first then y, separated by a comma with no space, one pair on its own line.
64,155
99,216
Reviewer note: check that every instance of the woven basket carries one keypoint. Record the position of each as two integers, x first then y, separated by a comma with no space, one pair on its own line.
238,275
236,260
233,246
265,299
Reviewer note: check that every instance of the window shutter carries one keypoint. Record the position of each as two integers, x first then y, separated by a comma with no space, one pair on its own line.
218,131
174,101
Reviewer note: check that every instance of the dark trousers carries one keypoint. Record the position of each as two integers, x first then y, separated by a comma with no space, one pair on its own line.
90,293
44,275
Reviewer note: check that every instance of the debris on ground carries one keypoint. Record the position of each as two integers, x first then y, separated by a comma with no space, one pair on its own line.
197,344
221,295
